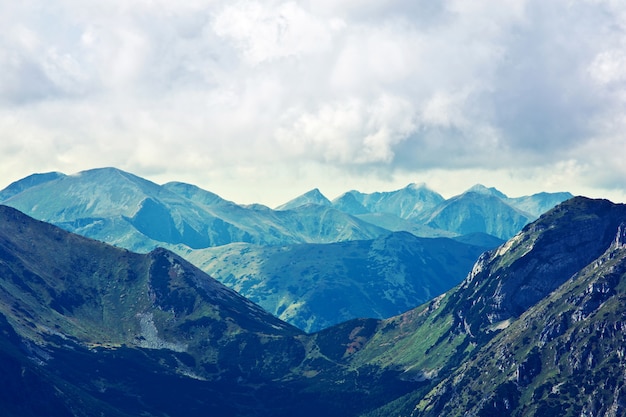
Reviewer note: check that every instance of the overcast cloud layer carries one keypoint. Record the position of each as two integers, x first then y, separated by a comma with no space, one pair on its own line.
259,101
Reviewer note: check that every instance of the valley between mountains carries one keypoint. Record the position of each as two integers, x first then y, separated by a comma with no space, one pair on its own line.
515,313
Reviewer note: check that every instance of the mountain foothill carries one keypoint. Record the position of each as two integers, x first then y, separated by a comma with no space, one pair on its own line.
106,306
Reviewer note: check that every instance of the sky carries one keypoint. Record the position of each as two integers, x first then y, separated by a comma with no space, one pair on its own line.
260,101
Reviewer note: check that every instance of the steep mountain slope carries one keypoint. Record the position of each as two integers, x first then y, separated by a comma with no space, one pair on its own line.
563,357
478,347
314,286
90,329
52,278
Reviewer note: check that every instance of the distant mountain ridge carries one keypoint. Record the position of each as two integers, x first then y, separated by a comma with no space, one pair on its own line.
404,203
119,207
128,211
427,213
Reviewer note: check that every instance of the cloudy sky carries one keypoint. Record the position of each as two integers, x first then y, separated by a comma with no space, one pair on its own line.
260,101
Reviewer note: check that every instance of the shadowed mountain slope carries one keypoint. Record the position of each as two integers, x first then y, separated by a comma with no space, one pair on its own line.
90,329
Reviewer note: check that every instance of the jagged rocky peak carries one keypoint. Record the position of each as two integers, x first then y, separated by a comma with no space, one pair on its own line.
581,228
620,237
564,355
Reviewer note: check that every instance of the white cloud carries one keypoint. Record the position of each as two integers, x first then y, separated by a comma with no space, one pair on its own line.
263,32
609,67
364,90
350,132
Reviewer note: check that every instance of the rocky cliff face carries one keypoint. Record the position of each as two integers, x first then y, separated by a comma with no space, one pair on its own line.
535,330
564,356
506,282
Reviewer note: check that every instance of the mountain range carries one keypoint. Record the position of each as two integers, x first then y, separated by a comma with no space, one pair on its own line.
229,241
535,329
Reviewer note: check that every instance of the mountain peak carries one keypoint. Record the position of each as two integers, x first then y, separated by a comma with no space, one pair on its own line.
481,189
349,203
313,196
416,186
28,182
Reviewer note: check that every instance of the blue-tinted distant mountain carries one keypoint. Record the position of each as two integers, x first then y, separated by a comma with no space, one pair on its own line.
488,210
535,204
397,224
539,203
314,286
349,203
28,182
481,189
420,211
197,194
122,209
477,212
405,203
311,197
